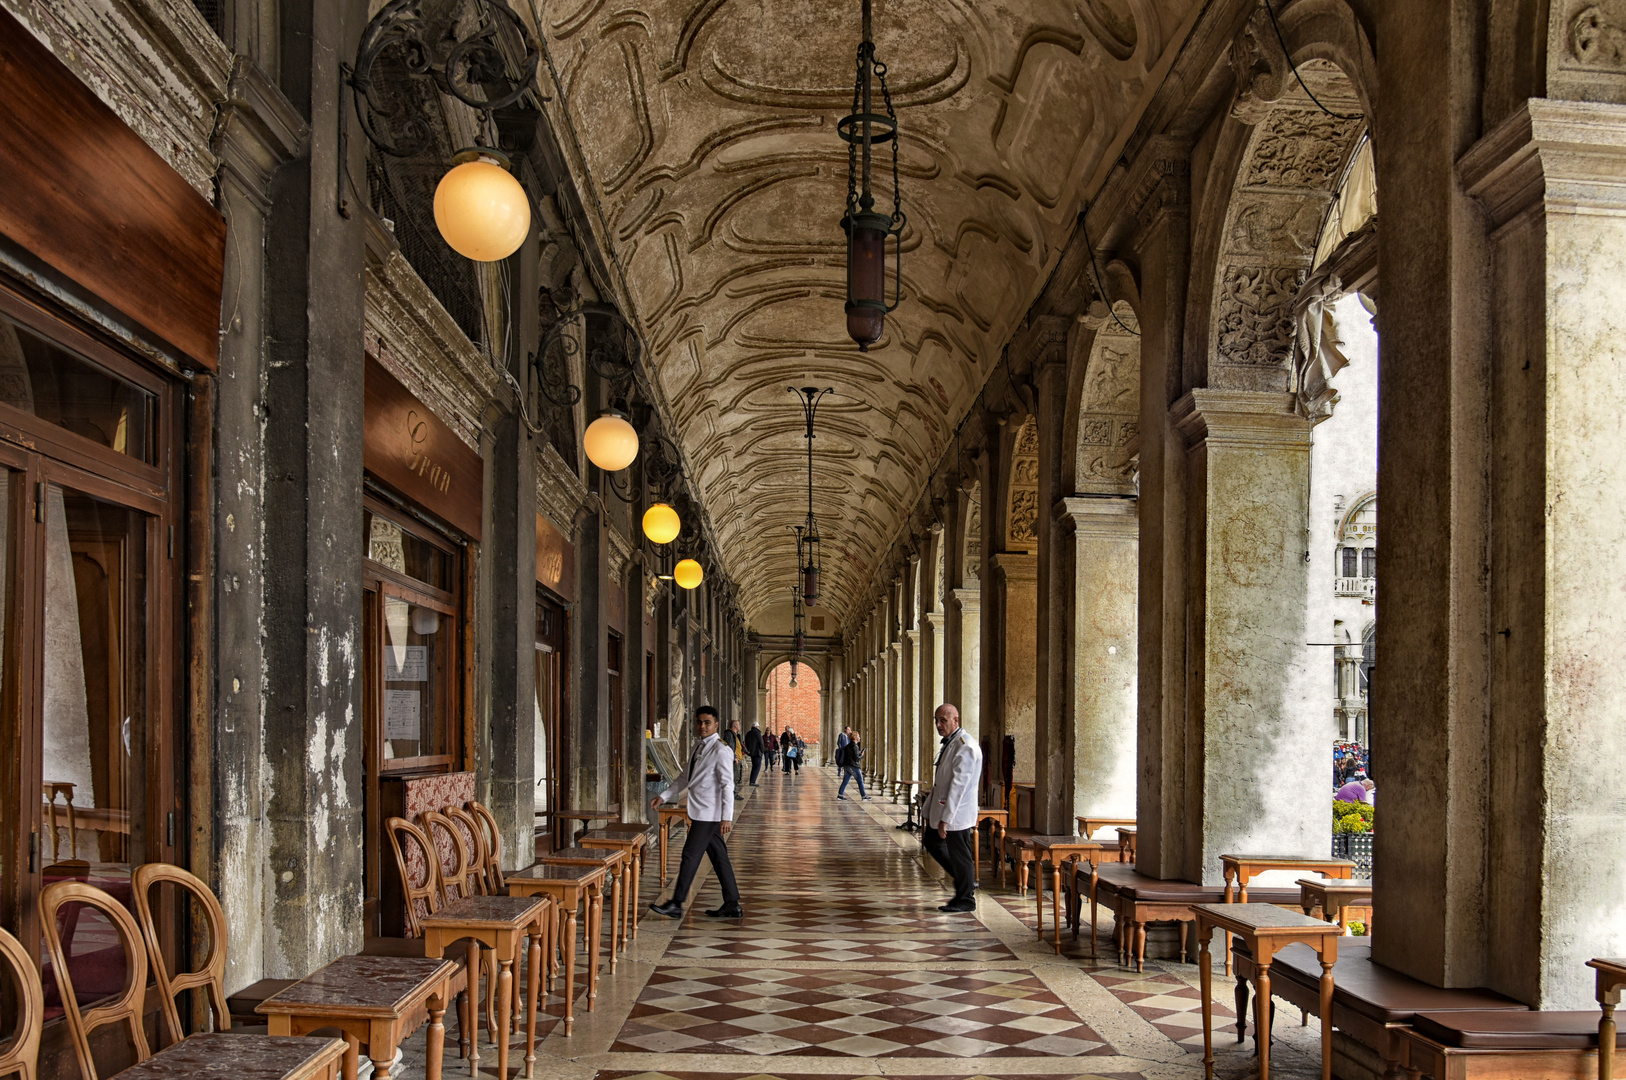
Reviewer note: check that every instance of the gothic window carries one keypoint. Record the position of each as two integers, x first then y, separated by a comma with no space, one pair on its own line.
1369,562
1350,556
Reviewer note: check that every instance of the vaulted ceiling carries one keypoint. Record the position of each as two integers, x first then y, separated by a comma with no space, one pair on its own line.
707,133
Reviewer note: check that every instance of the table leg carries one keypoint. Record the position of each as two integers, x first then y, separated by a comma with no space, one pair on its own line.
1205,977
477,964
381,1064
352,1058
1140,950
634,908
1230,884
1261,1015
1038,897
505,1008
1092,917
1055,902
568,947
435,1041
1326,1017
1606,1043
595,926
976,849
615,914
666,828
533,978
472,963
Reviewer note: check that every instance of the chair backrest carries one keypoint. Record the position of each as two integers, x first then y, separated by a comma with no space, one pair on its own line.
476,838
211,974
494,876
458,877
23,1056
124,1007
401,830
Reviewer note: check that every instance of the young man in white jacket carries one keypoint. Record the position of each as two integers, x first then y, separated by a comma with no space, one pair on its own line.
951,810
709,780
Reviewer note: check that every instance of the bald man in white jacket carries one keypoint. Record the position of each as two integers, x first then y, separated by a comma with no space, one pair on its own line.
709,780
951,809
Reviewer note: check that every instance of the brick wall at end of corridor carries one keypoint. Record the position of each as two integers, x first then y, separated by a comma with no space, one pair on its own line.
797,706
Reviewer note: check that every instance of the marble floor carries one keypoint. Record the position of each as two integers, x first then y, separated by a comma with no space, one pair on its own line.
843,967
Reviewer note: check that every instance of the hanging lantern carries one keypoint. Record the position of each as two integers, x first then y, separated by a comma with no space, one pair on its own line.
661,523
482,212
688,574
867,230
809,554
610,441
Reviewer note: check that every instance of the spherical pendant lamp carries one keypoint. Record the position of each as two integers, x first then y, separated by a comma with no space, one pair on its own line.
688,574
610,441
661,523
481,210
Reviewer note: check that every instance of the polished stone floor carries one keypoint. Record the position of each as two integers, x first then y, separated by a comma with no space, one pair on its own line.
844,968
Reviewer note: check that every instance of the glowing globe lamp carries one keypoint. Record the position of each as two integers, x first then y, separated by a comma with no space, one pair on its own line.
611,443
661,523
481,210
688,574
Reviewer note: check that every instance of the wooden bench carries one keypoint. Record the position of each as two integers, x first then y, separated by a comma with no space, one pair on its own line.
1485,1044
1371,1004
1138,899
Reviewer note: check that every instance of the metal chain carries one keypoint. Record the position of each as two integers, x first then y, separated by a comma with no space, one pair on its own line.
886,96
852,145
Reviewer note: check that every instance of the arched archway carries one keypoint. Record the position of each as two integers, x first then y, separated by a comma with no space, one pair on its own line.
796,704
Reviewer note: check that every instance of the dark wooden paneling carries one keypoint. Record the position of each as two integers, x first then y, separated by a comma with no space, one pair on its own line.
85,195
408,447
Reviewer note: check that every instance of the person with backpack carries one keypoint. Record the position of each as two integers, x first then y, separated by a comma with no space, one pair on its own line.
793,750
851,757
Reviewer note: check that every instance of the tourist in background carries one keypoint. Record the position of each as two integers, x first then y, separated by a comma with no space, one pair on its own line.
753,748
851,759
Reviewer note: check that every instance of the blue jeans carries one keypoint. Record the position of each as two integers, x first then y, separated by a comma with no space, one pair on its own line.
850,772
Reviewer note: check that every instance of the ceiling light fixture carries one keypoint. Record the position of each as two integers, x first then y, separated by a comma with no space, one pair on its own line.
661,523
611,441
866,229
482,212
688,574
809,556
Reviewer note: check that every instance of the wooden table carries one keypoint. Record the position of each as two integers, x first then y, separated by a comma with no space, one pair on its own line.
1266,928
500,923
373,1000
570,887
585,817
1335,896
615,862
1089,824
243,1057
1058,849
633,839
1611,977
996,816
1239,868
1020,850
667,815
1127,835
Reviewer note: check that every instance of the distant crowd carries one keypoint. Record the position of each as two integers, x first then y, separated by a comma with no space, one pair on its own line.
1349,774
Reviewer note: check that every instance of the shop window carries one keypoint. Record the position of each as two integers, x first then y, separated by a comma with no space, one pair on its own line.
551,701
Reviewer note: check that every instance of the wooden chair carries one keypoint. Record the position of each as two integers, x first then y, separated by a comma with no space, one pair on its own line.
493,841
211,974
23,1056
475,836
401,831
123,1008
463,873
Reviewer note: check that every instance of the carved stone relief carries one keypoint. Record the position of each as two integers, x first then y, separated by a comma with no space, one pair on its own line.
1597,35
973,538
1022,515
711,172
1256,315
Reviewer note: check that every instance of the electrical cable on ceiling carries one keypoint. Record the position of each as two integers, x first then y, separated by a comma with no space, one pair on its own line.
1084,226
1283,41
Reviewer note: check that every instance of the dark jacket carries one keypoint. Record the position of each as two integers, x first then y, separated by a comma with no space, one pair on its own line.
753,742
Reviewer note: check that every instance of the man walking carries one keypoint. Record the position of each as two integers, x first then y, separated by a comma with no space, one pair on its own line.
735,744
708,780
951,810
850,757
753,747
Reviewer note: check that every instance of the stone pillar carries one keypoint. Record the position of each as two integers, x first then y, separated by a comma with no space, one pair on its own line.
589,678
258,133
838,705
932,670
1100,673
1017,582
894,714
1052,747
909,768
312,381
967,605
1263,781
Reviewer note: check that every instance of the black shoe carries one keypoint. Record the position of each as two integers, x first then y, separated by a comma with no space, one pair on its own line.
671,909
727,911
958,907
841,798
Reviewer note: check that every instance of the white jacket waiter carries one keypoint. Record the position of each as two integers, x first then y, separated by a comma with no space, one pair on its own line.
951,809
709,780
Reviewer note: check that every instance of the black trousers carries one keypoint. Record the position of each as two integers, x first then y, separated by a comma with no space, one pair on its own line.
756,766
954,855
706,838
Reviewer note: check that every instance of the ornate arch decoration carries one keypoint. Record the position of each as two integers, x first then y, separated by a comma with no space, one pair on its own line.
818,663
1022,489
1101,429
971,542
1356,507
1281,158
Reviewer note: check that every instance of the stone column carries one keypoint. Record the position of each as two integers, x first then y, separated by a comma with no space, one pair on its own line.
315,302
1052,747
894,714
909,768
1262,784
932,670
1017,582
1100,673
967,604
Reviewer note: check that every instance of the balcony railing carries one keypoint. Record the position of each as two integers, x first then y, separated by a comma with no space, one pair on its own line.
1356,586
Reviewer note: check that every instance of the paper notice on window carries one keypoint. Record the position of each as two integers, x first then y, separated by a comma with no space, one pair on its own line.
401,714
406,663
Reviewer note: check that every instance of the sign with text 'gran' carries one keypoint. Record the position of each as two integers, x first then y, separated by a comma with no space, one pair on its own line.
413,451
